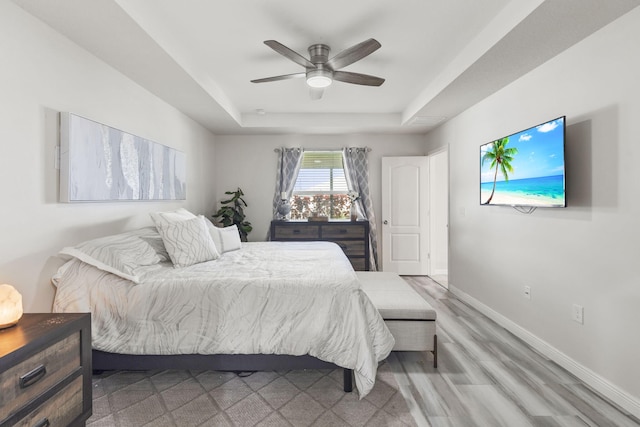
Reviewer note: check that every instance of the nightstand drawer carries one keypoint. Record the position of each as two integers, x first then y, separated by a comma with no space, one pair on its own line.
351,247
339,231
60,410
296,231
32,377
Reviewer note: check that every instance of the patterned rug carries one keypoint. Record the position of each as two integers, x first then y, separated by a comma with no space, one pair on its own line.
211,398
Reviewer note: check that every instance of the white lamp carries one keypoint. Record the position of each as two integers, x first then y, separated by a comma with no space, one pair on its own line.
10,306
319,78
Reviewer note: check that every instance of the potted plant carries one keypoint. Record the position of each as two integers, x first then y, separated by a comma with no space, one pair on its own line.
232,212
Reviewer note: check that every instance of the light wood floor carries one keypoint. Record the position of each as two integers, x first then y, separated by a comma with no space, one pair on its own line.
488,377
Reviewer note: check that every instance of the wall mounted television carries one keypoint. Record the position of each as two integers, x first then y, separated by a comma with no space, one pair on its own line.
526,168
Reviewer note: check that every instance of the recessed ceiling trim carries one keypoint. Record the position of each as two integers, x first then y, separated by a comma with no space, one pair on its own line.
165,42
426,120
508,18
330,120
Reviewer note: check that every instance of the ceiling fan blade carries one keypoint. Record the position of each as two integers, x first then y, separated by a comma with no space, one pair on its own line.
276,78
315,93
353,54
357,78
288,53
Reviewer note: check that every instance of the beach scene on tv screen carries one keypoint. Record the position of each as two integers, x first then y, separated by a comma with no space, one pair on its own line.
526,168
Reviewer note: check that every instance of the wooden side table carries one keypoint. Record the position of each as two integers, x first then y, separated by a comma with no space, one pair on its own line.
45,370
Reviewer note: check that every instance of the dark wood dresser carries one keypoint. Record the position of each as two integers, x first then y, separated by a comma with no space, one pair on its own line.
351,236
45,370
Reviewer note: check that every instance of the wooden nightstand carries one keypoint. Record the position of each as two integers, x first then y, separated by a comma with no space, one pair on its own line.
352,237
45,370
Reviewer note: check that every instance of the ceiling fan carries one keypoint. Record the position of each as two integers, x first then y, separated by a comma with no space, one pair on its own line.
322,71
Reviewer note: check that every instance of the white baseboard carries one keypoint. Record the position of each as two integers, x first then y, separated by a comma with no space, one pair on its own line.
601,385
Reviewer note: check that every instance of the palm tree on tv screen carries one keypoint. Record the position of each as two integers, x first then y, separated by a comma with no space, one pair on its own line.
501,158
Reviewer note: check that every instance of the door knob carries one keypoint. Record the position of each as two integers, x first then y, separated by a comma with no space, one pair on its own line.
385,222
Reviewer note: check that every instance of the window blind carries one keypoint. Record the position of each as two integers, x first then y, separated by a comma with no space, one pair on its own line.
321,172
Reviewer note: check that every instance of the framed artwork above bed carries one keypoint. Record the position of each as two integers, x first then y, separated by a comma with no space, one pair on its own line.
99,163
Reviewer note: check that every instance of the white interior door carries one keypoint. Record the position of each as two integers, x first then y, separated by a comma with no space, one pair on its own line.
405,215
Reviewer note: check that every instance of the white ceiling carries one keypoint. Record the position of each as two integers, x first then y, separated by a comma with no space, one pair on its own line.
439,57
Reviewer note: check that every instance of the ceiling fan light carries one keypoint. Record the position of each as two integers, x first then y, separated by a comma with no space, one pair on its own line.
318,78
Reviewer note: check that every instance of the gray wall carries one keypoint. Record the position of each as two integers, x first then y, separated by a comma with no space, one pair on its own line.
43,73
586,254
249,162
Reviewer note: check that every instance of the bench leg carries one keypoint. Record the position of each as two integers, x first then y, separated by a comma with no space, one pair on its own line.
348,380
435,351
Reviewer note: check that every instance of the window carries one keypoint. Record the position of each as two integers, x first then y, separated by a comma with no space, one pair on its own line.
321,187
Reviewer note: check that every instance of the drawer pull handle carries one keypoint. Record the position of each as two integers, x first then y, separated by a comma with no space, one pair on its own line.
296,231
42,423
32,377
343,231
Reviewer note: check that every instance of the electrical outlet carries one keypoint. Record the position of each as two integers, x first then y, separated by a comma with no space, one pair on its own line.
527,292
578,313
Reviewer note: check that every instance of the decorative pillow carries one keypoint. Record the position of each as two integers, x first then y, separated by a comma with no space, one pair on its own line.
188,242
119,254
226,239
160,218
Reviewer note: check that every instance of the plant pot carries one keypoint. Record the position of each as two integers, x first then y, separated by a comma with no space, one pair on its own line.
354,212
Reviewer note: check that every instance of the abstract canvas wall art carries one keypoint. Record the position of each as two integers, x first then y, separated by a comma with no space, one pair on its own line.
101,163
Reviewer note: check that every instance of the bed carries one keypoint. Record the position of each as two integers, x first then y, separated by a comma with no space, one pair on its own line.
257,306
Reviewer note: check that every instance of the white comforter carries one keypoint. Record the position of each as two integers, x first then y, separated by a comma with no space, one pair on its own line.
271,298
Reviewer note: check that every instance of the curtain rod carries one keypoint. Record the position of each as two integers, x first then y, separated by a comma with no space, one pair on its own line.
368,149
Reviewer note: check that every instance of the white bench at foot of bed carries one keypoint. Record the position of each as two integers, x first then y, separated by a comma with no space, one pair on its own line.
411,320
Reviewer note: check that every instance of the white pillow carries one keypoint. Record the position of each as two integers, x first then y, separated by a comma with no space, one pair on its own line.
230,238
152,237
226,239
171,216
120,254
188,241
213,231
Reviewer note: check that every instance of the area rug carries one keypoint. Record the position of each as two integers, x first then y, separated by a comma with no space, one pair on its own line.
210,398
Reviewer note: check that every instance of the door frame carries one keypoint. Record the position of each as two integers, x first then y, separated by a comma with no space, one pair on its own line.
446,150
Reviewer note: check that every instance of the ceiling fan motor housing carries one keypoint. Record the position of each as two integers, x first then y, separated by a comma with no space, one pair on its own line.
321,76
319,53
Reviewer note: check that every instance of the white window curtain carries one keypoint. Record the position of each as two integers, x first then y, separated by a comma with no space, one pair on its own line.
289,160
356,168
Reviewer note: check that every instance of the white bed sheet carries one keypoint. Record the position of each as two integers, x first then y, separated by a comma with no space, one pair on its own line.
267,298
